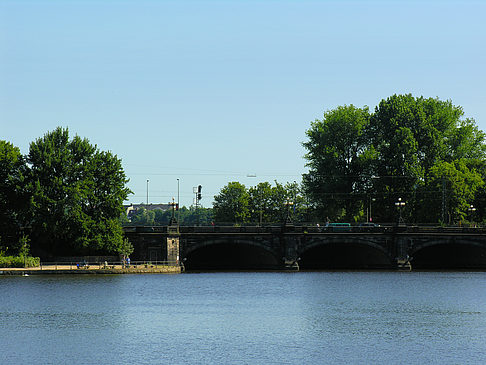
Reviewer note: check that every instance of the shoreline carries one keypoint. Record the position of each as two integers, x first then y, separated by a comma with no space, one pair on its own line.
94,270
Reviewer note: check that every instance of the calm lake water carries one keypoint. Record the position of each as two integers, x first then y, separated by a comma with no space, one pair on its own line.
245,318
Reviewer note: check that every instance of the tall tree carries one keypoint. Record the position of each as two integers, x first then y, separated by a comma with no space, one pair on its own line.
260,202
465,141
78,194
14,200
413,136
410,133
339,158
416,149
299,206
231,205
461,184
479,202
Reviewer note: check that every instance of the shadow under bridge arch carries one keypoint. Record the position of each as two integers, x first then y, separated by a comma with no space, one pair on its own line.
230,255
452,254
344,254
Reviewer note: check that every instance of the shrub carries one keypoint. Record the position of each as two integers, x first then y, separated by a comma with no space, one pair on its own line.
18,261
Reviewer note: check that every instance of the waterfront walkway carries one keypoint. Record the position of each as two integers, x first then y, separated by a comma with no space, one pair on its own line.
48,269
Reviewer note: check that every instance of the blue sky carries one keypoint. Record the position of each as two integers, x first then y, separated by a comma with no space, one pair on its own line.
210,91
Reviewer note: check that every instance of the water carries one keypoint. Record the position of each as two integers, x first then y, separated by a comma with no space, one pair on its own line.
245,318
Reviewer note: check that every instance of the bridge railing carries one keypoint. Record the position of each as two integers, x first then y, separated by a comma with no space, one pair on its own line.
329,229
311,228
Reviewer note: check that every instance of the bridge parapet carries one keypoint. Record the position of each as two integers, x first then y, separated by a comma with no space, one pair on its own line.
309,229
287,244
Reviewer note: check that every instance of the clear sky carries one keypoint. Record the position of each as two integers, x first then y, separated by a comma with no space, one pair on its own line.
210,91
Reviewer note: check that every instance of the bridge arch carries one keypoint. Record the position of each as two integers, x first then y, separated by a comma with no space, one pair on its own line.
449,254
344,253
230,255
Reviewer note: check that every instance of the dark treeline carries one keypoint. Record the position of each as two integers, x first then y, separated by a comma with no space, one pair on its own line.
184,216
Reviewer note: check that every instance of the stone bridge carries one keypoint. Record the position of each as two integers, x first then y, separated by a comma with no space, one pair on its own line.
311,248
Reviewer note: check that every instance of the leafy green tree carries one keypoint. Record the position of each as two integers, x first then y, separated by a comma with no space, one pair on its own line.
461,186
260,203
14,199
185,216
162,217
296,195
123,219
24,246
479,202
192,216
465,141
281,201
339,158
410,134
269,204
412,137
78,193
416,149
125,249
145,217
286,200
231,205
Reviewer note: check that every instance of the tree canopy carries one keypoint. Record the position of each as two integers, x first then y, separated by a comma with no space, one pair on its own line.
231,205
339,160
78,193
14,199
158,217
260,204
414,148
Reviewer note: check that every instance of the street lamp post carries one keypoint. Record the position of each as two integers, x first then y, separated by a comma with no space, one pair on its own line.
471,210
173,220
260,203
147,190
373,179
178,202
370,218
295,199
400,204
288,221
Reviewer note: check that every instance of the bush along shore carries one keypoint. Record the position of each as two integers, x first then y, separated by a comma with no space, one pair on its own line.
18,261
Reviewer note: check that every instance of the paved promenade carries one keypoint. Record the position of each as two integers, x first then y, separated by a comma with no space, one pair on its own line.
53,269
